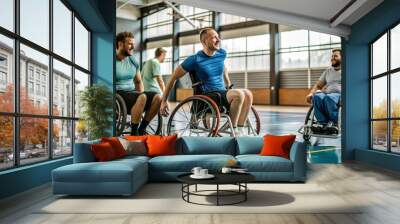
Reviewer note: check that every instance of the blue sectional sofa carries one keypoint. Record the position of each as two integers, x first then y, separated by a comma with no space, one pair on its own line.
125,176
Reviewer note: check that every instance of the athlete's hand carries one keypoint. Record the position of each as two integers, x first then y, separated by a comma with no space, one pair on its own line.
164,108
309,98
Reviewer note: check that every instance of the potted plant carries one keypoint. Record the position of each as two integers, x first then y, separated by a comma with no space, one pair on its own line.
96,104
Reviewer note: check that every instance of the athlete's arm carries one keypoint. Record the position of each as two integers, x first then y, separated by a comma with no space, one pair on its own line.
138,82
226,77
160,82
178,73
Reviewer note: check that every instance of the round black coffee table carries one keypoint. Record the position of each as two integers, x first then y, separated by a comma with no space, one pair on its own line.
238,179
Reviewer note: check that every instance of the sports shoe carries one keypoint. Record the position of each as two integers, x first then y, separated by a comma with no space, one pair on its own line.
331,128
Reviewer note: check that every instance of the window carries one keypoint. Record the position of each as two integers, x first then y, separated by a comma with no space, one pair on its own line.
230,19
303,49
81,45
200,17
159,23
35,22
30,87
62,78
385,96
7,14
46,131
62,29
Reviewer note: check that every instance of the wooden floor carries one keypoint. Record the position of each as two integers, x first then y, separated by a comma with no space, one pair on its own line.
378,189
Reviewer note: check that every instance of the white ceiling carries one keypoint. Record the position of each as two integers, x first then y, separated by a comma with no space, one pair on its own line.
316,15
307,14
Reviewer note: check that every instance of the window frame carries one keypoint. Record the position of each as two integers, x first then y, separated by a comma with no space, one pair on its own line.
16,114
388,74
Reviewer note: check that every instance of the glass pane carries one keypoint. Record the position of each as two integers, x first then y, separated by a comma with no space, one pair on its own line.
395,47
6,75
379,55
81,45
379,98
320,58
33,139
81,131
293,60
395,136
62,138
62,29
62,89
317,38
81,81
395,95
6,142
7,14
295,38
257,43
379,135
34,97
229,19
35,21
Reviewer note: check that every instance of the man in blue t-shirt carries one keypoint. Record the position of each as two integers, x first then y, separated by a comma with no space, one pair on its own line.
129,85
209,67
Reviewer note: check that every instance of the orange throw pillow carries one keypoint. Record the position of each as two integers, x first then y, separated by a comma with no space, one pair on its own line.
277,145
161,145
116,145
103,152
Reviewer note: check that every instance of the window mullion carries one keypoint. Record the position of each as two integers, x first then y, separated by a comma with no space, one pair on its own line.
389,101
16,83
50,81
73,81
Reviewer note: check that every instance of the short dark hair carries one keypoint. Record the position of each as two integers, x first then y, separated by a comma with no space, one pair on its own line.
122,36
204,32
337,50
159,51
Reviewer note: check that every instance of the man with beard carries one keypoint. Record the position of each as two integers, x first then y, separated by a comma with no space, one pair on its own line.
209,67
130,86
325,96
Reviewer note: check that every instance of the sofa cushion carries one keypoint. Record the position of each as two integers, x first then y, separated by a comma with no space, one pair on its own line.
277,145
190,145
161,145
185,163
103,152
116,145
112,171
248,145
134,147
257,163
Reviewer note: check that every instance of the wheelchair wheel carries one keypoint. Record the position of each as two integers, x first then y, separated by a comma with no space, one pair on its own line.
253,123
195,116
309,121
155,126
120,114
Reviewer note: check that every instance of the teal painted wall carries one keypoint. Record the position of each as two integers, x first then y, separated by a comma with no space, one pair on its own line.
99,16
356,81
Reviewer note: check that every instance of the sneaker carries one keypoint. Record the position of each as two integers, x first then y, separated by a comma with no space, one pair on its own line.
317,128
331,128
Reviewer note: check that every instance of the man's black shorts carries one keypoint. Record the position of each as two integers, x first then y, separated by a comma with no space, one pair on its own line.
130,98
219,97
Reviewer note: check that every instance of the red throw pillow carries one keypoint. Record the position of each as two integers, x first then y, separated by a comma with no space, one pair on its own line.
277,145
103,152
161,145
116,145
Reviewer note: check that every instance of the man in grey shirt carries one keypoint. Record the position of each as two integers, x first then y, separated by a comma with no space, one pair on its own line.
325,95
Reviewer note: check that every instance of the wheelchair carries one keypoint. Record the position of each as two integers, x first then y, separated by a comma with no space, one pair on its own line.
199,115
311,121
123,120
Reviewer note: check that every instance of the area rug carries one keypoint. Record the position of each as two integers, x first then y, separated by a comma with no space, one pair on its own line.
167,198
